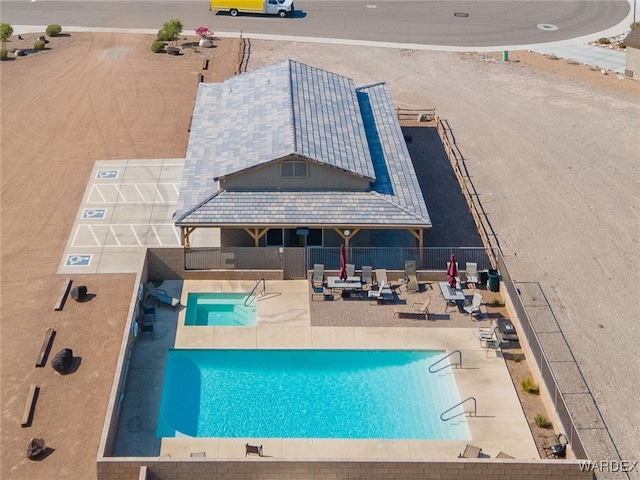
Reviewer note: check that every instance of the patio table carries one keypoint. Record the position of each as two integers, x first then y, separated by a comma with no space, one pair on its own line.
451,296
351,283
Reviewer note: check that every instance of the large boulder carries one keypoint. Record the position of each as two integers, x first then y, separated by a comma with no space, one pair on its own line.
79,293
35,448
63,361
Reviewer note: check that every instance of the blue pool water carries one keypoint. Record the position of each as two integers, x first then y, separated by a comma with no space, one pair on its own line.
308,394
221,309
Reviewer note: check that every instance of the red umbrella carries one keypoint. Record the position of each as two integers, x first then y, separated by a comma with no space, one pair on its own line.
452,272
343,263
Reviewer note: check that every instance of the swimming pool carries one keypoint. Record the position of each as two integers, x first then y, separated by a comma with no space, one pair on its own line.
221,309
308,394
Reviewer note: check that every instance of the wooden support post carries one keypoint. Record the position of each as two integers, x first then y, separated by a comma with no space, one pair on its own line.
185,234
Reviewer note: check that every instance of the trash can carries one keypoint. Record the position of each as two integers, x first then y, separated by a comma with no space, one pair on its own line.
493,281
483,277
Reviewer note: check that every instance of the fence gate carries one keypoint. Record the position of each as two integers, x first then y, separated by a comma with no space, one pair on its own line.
294,265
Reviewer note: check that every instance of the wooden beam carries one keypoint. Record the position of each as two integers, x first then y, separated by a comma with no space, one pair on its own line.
46,345
29,406
63,295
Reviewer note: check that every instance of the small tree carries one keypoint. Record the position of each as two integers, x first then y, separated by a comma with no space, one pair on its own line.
170,30
6,31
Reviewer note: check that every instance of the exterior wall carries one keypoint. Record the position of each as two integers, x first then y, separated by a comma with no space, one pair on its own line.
633,62
459,469
320,178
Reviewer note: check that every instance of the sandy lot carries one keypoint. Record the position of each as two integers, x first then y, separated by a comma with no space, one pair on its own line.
554,155
90,97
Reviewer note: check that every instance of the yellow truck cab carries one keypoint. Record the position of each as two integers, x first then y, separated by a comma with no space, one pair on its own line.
282,8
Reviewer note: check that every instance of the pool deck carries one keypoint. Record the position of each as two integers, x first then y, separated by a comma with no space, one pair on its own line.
287,319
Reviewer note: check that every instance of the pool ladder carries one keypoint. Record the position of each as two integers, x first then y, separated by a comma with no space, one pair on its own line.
475,409
457,364
249,299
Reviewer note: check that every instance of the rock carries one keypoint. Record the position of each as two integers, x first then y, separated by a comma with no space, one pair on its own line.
205,43
63,361
20,53
43,39
173,50
79,293
35,448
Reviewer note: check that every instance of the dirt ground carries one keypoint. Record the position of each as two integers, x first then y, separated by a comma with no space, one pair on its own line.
87,98
107,96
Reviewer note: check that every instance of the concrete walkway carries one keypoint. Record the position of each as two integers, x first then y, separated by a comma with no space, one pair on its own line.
599,57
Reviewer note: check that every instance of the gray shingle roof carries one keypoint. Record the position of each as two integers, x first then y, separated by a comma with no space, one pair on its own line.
291,108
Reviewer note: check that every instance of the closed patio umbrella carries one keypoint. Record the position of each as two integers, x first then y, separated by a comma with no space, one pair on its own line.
343,263
452,272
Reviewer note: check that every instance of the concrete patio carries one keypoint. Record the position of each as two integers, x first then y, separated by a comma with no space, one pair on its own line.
287,318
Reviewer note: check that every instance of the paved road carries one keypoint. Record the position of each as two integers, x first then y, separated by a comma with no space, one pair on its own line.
489,23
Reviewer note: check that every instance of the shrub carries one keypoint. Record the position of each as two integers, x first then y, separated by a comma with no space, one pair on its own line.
157,46
529,386
542,421
4,54
164,36
39,45
604,41
53,30
622,45
170,30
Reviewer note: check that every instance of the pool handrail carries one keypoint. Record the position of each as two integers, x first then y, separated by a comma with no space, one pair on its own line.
264,290
458,364
475,409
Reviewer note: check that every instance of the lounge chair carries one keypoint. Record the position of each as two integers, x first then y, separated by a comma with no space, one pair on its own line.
470,452
472,273
416,309
556,446
411,276
474,307
161,296
317,278
351,270
367,275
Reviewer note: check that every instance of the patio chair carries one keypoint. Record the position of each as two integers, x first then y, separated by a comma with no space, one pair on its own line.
146,327
415,309
351,270
474,307
493,343
470,452
485,334
381,276
161,296
317,277
253,450
556,446
472,273
367,275
411,276
148,310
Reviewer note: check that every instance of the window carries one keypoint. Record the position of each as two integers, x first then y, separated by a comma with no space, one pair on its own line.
294,169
